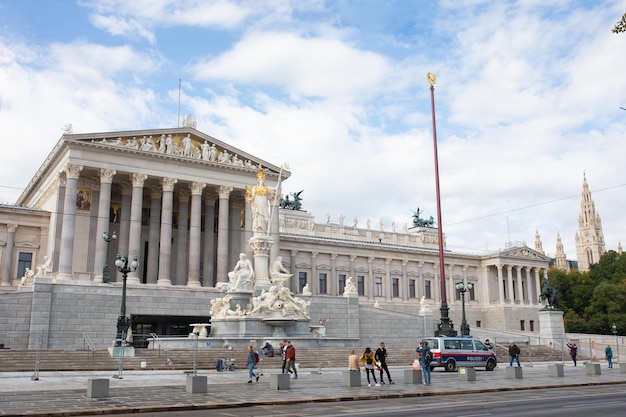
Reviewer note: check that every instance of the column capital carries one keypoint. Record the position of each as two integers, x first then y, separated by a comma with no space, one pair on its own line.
11,228
294,252
333,256
168,183
106,175
72,171
224,191
405,262
196,188
314,254
138,179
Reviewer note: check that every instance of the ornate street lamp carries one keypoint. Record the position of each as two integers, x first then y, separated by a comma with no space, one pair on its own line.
614,328
106,273
462,287
123,322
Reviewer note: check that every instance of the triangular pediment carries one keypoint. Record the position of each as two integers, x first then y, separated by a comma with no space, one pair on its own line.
523,252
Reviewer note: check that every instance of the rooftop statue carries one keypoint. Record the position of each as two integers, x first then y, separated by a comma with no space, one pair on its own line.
418,222
295,204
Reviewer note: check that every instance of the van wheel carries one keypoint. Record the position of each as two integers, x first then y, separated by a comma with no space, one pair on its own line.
491,365
450,366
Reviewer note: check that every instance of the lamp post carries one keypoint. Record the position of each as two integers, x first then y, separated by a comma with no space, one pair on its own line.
445,327
463,288
614,328
123,322
106,273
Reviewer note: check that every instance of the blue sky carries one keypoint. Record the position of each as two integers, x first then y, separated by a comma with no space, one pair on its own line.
527,98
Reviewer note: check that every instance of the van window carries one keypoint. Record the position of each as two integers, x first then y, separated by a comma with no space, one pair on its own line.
433,343
451,344
467,345
480,345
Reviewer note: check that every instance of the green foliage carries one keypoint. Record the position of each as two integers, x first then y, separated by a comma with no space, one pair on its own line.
620,26
593,301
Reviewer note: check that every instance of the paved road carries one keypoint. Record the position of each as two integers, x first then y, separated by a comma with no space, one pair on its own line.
64,393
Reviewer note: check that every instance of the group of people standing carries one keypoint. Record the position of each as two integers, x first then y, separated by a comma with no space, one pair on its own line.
371,361
608,353
287,352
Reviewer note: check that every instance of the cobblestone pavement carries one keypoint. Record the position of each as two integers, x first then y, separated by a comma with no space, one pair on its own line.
65,393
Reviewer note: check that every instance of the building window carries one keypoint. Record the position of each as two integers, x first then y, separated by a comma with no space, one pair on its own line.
360,284
341,281
322,281
24,260
412,288
478,323
521,325
395,287
472,292
427,289
531,323
301,280
457,293
378,287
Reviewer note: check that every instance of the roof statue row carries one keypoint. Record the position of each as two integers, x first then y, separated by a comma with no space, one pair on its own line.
177,146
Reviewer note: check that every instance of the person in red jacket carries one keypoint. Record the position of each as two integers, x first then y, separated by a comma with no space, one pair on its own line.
290,357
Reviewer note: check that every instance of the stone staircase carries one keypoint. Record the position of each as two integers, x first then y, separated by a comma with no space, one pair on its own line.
183,359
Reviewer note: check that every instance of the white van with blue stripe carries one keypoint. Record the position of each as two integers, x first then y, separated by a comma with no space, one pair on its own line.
460,352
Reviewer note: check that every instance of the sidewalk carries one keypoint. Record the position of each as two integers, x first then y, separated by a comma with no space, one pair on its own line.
65,393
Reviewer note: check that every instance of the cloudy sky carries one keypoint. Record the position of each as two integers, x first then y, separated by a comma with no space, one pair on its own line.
528,99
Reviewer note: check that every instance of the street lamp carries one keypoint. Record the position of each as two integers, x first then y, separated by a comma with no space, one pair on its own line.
123,322
106,275
462,287
614,328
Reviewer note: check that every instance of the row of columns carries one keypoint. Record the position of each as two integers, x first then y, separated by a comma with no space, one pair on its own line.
189,255
515,292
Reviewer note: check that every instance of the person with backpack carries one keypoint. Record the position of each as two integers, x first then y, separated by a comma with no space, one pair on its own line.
381,357
368,359
426,358
252,360
513,353
608,354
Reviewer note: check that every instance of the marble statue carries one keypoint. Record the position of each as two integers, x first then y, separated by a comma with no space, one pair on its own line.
212,153
279,301
306,290
278,273
187,144
350,288
27,279
220,308
265,301
341,218
258,196
242,277
44,269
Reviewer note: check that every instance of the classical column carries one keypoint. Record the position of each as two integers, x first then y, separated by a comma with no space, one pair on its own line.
134,235
194,234
529,285
332,279
182,238
352,270
222,234
519,293
152,263
388,284
451,292
248,229
165,247
293,270
104,208
8,256
274,225
369,284
467,296
123,237
509,282
420,288
404,284
208,253
66,256
314,283
537,285
500,284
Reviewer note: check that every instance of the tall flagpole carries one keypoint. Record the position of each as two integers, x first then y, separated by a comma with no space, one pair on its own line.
178,124
445,327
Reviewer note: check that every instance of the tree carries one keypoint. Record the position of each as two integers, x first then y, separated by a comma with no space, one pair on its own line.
620,26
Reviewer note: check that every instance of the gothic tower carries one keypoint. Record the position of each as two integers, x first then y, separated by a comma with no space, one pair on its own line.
589,237
538,244
560,259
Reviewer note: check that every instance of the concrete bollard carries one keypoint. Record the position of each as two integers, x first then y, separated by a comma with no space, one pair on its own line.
467,374
593,368
279,381
556,369
514,372
351,378
98,388
196,384
412,376
622,368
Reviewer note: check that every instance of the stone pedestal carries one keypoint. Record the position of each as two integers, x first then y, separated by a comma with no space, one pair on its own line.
411,376
551,325
622,368
467,374
351,378
98,388
556,370
196,384
514,372
592,368
279,381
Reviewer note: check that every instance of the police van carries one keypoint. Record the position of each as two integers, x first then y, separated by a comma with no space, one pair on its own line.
459,352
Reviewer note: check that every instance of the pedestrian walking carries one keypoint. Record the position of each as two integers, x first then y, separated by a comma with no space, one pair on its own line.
513,353
368,359
608,353
251,361
381,361
426,356
290,357
283,348
573,351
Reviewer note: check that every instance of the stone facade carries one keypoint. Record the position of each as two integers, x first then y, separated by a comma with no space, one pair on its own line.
176,199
